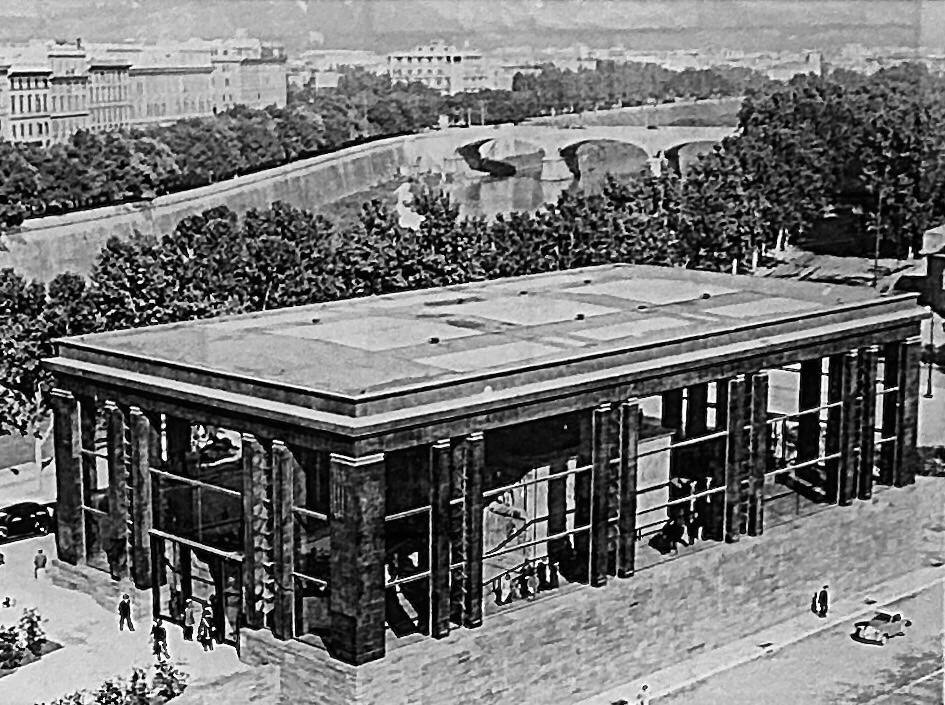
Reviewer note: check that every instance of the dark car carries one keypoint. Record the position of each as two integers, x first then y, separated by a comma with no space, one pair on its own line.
25,519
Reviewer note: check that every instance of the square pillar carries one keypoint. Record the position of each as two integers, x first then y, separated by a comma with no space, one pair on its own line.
456,523
867,392
735,460
808,425
605,441
144,437
115,541
356,524
833,436
629,442
473,466
440,474
671,417
284,465
258,573
909,369
850,430
758,453
70,533
888,450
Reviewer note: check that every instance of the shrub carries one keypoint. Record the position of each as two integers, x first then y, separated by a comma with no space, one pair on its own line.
168,681
12,648
31,630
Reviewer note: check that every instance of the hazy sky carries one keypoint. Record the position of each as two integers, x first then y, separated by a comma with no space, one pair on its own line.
383,24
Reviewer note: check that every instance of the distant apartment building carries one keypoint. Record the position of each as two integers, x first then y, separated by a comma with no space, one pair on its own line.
4,102
440,66
162,93
68,90
50,90
109,94
29,104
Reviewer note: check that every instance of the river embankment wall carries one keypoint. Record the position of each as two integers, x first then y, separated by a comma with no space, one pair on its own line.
44,247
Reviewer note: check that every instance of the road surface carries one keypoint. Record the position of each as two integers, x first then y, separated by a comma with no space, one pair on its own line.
830,668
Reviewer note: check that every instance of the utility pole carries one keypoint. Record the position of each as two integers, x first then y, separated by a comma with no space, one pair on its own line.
879,221
928,384
482,112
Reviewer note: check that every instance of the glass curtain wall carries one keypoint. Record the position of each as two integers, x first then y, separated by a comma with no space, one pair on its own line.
311,543
536,515
407,541
95,504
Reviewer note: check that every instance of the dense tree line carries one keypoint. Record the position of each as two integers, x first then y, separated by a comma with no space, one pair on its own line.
803,147
95,169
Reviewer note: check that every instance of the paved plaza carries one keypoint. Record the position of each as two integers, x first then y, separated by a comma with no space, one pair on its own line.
93,649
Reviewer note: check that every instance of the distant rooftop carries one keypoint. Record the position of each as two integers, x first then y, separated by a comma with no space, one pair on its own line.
499,334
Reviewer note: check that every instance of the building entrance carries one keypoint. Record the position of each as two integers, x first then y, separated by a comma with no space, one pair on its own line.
208,578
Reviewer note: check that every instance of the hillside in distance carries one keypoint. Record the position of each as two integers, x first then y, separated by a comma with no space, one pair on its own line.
385,25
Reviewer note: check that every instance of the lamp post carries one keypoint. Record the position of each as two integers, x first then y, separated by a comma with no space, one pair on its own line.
928,383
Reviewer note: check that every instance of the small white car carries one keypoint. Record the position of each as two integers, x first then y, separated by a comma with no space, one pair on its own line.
882,627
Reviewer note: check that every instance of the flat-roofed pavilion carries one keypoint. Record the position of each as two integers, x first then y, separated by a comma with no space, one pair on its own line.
401,459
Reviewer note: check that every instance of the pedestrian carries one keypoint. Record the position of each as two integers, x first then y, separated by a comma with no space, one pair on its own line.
124,614
822,600
190,620
39,564
552,575
643,697
159,638
205,631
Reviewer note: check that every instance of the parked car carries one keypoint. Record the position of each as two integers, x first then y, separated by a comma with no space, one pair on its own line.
882,627
25,519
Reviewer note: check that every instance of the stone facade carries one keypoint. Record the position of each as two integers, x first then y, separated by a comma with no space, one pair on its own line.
569,646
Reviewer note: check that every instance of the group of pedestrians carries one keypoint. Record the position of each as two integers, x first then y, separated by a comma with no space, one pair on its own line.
193,616
534,577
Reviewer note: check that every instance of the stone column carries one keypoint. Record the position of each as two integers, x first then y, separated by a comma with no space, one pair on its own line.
629,440
758,453
833,437
284,465
909,369
456,528
867,393
141,451
808,425
258,580
605,439
474,463
440,471
70,533
356,523
735,459
116,538
850,430
888,450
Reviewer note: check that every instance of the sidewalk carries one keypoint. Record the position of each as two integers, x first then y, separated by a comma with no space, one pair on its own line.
770,640
93,649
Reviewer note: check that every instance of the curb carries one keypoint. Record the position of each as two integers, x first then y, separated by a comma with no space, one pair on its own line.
822,626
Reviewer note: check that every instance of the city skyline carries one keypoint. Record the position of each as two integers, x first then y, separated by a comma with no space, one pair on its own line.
385,25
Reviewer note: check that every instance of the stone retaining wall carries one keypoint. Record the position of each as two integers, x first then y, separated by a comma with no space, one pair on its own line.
566,648
45,247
